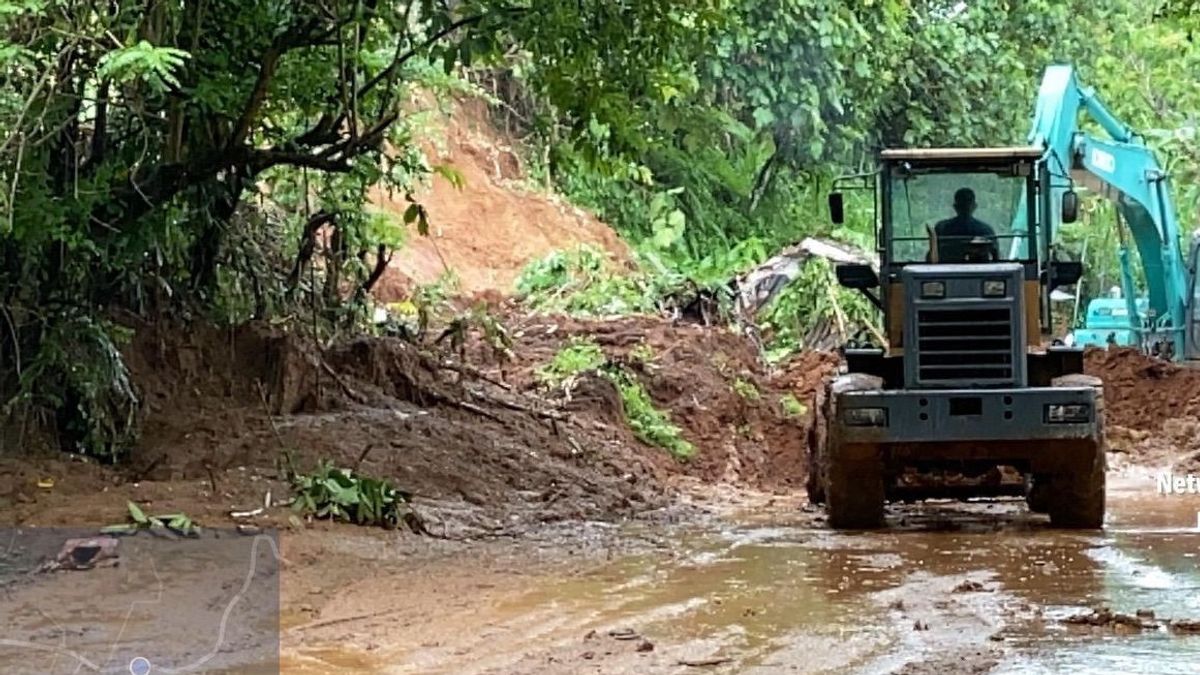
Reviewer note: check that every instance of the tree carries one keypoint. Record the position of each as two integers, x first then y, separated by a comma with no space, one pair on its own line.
1144,75
794,91
132,131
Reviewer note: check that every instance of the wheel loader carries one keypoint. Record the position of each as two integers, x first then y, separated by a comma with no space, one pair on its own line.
968,399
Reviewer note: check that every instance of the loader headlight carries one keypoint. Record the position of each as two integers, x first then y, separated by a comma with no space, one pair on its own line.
995,288
1068,413
865,417
933,289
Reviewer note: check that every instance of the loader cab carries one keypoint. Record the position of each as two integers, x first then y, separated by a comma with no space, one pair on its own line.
962,281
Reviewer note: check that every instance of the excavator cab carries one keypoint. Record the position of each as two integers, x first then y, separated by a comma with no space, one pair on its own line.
967,399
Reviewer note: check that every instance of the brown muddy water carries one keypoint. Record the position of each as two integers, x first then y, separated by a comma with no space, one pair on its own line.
948,588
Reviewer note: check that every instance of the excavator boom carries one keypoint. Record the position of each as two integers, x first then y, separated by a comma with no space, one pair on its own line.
1122,168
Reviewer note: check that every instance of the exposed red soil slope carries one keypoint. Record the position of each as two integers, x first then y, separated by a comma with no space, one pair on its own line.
495,225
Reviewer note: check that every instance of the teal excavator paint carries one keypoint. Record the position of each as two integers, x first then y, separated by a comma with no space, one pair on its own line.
1122,168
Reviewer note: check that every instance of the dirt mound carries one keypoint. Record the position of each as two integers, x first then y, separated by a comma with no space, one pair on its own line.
227,409
748,425
1152,406
480,443
491,228
1141,393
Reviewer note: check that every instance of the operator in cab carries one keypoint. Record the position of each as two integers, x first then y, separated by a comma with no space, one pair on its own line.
964,238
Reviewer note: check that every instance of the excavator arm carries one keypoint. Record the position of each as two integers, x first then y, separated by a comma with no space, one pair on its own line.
1121,168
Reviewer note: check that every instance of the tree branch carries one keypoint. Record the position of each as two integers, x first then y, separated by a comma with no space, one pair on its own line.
258,95
383,258
261,160
308,244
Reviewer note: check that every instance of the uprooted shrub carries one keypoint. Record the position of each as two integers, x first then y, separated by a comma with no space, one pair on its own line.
649,424
341,494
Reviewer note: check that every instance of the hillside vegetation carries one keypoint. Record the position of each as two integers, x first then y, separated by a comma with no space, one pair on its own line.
222,161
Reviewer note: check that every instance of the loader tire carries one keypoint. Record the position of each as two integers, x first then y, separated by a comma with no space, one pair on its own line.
854,491
1038,496
1076,497
854,495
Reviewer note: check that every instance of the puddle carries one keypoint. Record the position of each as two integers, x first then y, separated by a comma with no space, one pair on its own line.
1146,560
976,586
327,660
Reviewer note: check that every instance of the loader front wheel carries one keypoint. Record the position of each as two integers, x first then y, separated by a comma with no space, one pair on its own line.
1037,498
1076,497
853,482
854,495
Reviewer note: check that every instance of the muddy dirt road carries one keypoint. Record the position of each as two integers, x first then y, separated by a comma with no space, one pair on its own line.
949,589
560,544
732,582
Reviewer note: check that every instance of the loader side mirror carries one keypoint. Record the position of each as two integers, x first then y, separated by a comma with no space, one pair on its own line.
857,276
1065,273
1070,206
837,211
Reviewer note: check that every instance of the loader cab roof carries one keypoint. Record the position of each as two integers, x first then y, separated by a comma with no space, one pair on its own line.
964,155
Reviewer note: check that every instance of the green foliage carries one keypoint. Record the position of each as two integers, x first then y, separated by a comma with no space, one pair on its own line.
746,389
647,422
340,494
791,406
80,373
642,353
178,523
579,356
814,297
157,67
557,270
583,282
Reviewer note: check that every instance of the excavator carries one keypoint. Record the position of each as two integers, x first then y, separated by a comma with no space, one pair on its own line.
970,396
1161,322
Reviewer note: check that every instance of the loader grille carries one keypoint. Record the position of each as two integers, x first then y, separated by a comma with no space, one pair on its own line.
960,346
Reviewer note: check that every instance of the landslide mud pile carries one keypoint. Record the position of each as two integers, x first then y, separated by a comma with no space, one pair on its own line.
482,446
1152,406
744,421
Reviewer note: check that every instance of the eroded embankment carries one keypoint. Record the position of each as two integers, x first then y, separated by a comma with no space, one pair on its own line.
1152,407
480,444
